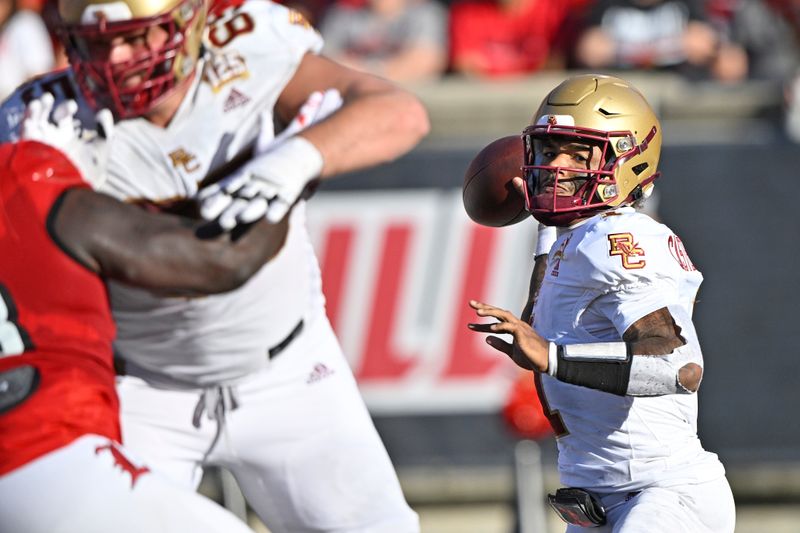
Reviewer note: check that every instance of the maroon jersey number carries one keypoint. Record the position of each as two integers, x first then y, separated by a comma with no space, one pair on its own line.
553,416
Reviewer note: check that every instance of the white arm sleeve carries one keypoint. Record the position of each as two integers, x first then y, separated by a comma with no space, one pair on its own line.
656,375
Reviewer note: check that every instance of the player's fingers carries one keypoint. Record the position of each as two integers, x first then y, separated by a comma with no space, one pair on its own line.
255,210
304,117
481,328
331,101
249,190
482,309
33,111
233,183
229,217
48,100
105,122
499,344
257,187
260,186
511,328
315,99
277,210
505,327
64,113
476,304
213,206
207,192
309,108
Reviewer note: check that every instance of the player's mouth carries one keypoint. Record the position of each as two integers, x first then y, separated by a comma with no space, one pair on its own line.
560,189
134,80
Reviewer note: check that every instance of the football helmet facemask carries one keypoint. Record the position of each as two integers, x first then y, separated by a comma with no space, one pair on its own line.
619,138
134,85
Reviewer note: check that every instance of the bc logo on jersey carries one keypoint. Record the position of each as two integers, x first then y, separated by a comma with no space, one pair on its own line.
295,17
182,159
622,244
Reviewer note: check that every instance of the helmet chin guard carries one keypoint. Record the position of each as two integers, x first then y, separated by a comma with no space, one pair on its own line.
133,87
601,113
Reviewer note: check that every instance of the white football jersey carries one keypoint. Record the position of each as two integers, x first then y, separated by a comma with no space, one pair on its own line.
252,52
602,276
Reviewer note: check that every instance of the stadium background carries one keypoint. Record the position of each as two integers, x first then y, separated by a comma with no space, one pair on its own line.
400,258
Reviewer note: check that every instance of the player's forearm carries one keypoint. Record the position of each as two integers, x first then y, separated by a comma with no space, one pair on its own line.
159,251
617,368
179,259
376,124
654,359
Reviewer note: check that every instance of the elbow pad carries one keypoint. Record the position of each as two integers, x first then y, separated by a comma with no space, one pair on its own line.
656,375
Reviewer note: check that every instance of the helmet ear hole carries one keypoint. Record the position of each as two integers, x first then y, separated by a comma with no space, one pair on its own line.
641,194
638,169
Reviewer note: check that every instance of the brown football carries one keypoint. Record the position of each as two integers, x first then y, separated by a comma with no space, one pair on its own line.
489,197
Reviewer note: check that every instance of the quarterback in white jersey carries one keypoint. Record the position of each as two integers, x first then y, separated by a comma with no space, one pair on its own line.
252,380
610,338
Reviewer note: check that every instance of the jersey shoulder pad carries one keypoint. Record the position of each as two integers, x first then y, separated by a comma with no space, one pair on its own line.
33,176
33,164
626,248
262,26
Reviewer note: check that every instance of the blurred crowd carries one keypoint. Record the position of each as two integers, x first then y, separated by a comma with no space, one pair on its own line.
411,41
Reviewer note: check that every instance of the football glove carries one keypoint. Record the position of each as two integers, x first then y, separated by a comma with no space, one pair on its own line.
86,149
278,175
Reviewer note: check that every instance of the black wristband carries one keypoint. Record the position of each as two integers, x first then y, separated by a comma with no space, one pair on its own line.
607,376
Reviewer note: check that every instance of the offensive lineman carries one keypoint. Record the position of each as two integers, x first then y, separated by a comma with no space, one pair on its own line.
62,467
613,347
253,380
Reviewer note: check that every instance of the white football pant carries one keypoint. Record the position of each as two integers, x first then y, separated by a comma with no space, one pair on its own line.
296,436
691,508
85,487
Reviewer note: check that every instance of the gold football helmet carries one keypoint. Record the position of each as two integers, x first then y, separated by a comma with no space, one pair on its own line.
131,87
616,126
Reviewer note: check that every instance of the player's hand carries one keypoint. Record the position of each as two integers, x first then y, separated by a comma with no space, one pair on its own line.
88,150
282,171
529,350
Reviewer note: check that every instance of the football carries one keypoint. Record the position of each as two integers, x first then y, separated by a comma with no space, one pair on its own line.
489,197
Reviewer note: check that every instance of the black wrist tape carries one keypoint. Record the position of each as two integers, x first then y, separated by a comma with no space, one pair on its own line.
607,376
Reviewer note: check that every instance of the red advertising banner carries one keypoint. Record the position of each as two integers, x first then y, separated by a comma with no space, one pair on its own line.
398,268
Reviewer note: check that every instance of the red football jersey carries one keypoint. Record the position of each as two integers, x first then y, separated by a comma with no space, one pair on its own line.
54,314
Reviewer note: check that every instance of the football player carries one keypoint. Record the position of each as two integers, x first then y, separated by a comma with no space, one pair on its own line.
62,467
611,339
252,380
